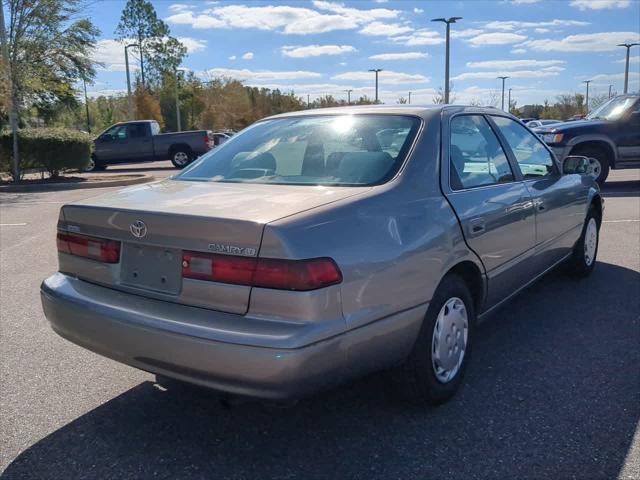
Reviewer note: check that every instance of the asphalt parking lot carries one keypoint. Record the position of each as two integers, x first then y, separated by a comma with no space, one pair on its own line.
553,388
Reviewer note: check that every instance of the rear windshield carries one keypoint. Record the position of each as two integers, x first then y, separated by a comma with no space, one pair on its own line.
318,150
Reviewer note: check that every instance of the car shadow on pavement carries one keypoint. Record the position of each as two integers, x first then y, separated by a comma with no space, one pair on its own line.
624,188
552,392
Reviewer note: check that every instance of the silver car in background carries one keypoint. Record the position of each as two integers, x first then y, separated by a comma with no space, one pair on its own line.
318,246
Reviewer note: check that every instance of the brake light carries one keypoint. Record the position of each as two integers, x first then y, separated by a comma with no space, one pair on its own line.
262,272
101,249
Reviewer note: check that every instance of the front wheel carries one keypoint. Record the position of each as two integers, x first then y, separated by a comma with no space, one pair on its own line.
181,158
434,371
94,165
583,259
598,167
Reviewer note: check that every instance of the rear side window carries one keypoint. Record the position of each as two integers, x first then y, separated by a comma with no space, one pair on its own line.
137,130
316,150
476,157
534,160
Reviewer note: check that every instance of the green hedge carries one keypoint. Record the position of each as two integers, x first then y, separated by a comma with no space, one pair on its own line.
50,149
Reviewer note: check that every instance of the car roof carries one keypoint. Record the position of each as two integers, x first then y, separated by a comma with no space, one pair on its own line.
424,111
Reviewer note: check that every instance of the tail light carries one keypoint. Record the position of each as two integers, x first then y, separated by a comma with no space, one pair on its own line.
262,272
101,249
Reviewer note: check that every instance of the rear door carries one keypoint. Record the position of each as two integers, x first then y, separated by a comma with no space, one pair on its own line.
492,203
139,146
559,200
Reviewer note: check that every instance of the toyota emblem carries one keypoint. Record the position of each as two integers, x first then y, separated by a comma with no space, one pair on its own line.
138,229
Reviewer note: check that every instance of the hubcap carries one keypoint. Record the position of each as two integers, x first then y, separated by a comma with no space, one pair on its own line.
594,169
449,341
590,241
90,166
181,158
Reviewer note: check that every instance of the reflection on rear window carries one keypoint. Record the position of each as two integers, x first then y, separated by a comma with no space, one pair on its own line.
319,150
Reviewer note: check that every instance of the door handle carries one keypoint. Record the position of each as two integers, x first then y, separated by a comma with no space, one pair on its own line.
476,227
540,205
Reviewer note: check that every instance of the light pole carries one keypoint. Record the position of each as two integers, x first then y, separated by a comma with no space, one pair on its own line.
178,124
448,21
503,79
126,62
86,104
349,96
409,102
509,102
11,97
626,66
586,102
376,70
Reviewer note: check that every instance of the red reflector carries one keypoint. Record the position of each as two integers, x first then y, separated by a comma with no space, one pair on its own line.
100,249
261,272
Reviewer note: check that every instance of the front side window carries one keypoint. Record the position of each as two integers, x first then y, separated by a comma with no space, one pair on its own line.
475,154
533,158
317,150
119,132
613,109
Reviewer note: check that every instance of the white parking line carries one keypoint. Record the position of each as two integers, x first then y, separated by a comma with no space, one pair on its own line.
621,221
12,224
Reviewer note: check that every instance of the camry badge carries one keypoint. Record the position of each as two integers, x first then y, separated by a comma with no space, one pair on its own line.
138,229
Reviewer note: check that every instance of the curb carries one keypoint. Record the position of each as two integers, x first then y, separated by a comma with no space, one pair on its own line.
49,187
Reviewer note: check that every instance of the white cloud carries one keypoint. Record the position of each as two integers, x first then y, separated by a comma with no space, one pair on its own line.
381,1
518,50
498,38
611,77
283,18
232,57
418,10
517,25
524,2
260,75
586,42
179,7
399,56
385,76
544,72
467,32
632,60
420,37
361,16
385,29
600,4
193,44
248,56
514,64
315,50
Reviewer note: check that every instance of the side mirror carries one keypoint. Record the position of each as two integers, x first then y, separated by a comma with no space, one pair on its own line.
575,164
105,138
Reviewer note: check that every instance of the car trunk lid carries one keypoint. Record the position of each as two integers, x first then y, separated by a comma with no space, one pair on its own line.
157,222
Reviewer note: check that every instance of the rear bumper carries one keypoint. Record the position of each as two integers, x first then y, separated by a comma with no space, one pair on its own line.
153,336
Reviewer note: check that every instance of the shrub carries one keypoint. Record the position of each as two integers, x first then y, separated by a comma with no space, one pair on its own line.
51,149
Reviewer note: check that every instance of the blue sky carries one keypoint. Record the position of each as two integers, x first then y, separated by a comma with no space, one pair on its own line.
547,47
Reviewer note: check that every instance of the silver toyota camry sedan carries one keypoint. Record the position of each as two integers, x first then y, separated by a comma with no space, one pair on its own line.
321,245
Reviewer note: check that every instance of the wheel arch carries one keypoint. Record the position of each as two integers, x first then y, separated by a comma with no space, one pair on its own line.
475,280
597,142
596,202
178,146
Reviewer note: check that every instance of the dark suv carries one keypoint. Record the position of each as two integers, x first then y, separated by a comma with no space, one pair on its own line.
609,137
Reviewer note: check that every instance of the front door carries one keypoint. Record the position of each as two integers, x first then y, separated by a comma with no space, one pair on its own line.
493,204
628,137
111,145
558,199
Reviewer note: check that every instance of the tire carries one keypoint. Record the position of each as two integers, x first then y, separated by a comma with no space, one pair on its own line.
423,379
181,157
585,251
94,165
599,162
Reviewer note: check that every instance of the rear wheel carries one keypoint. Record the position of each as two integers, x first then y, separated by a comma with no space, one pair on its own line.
433,372
599,161
583,259
181,157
